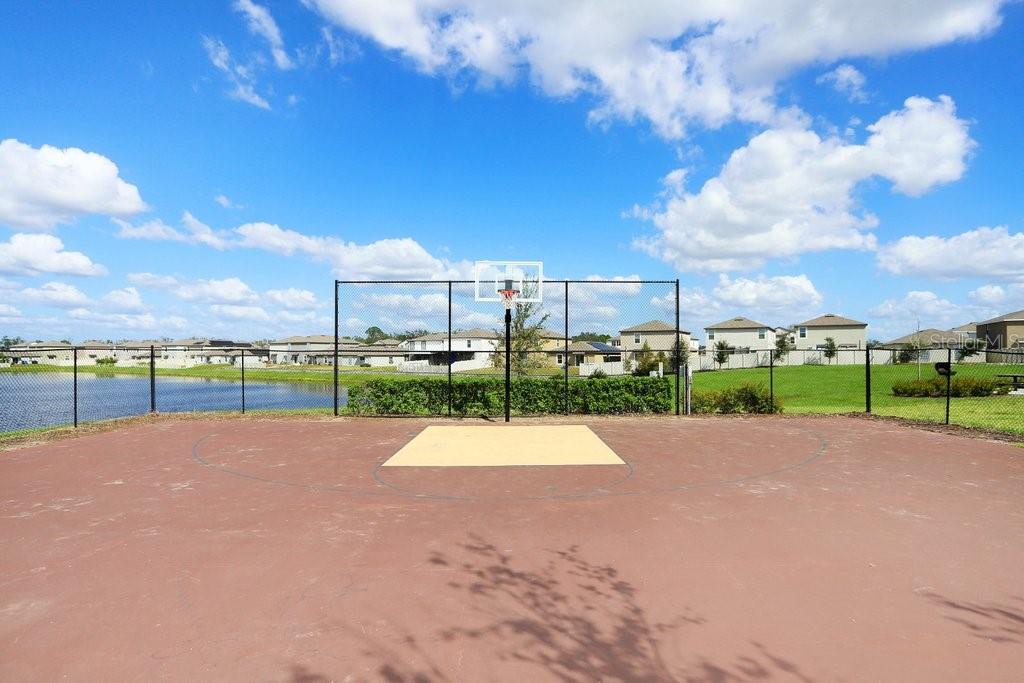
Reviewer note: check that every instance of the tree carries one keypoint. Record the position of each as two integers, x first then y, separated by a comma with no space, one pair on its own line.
592,336
526,343
908,353
7,342
970,347
374,334
644,361
831,350
721,353
410,334
783,345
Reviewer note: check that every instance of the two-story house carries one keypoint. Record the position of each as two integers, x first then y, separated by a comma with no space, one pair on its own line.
741,333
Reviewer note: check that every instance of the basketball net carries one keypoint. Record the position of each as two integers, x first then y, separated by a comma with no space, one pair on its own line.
508,297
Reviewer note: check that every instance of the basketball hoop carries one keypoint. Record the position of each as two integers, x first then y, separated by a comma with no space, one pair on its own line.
508,297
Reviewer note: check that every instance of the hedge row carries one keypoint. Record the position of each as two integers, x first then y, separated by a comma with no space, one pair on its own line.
959,387
746,398
530,396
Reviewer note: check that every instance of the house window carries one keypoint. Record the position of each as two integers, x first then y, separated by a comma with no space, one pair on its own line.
636,338
760,333
579,359
559,359
423,346
469,343
711,335
803,332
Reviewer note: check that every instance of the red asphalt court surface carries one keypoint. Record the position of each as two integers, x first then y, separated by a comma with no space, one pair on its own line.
725,550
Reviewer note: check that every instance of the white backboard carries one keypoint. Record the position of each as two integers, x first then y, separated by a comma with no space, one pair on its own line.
525,276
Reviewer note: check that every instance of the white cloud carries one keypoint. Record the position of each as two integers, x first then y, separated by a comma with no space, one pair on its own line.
7,310
846,79
128,321
127,299
927,309
988,295
57,294
789,292
41,188
399,258
152,280
227,291
670,62
261,23
242,78
226,202
196,232
236,312
983,252
35,254
790,191
293,298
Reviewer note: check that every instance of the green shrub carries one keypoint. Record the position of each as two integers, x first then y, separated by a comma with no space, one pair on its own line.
530,396
960,387
106,361
746,398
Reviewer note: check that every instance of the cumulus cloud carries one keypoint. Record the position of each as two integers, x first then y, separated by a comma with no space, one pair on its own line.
129,321
988,295
8,310
43,187
152,280
196,232
59,294
237,312
127,299
261,23
671,63
226,202
293,298
400,258
847,80
929,308
36,254
983,252
227,291
790,191
788,292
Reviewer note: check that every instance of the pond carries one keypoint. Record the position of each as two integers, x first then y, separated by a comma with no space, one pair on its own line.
42,399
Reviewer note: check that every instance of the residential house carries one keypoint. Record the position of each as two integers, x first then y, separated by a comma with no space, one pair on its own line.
470,349
847,333
741,334
591,356
316,349
929,338
1003,332
656,334
967,333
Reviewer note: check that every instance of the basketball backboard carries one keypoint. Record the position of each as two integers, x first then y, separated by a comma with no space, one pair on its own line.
526,277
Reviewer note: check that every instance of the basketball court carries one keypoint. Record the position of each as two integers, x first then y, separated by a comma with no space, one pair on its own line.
547,550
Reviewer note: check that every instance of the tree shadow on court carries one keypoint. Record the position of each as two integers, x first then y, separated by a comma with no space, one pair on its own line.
996,622
577,621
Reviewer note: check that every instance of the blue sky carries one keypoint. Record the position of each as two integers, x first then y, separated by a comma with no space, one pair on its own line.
777,168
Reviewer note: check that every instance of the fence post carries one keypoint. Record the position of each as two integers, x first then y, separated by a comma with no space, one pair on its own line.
451,352
867,379
949,377
335,348
565,355
152,379
678,351
771,379
74,387
243,381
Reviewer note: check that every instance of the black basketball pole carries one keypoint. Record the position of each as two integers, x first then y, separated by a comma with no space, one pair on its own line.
508,363
335,361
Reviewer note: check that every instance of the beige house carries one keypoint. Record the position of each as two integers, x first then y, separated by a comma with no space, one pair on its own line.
306,350
1004,332
741,333
590,356
847,333
657,334
929,338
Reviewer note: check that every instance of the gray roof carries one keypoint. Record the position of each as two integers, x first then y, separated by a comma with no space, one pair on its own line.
737,323
651,326
831,320
929,337
314,339
474,333
969,327
1015,316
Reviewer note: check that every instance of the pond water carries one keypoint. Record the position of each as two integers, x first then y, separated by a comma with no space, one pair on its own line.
45,399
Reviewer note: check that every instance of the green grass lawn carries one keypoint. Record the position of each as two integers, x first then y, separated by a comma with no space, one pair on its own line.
840,389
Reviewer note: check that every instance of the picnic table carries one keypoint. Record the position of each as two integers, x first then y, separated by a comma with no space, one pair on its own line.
1016,380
